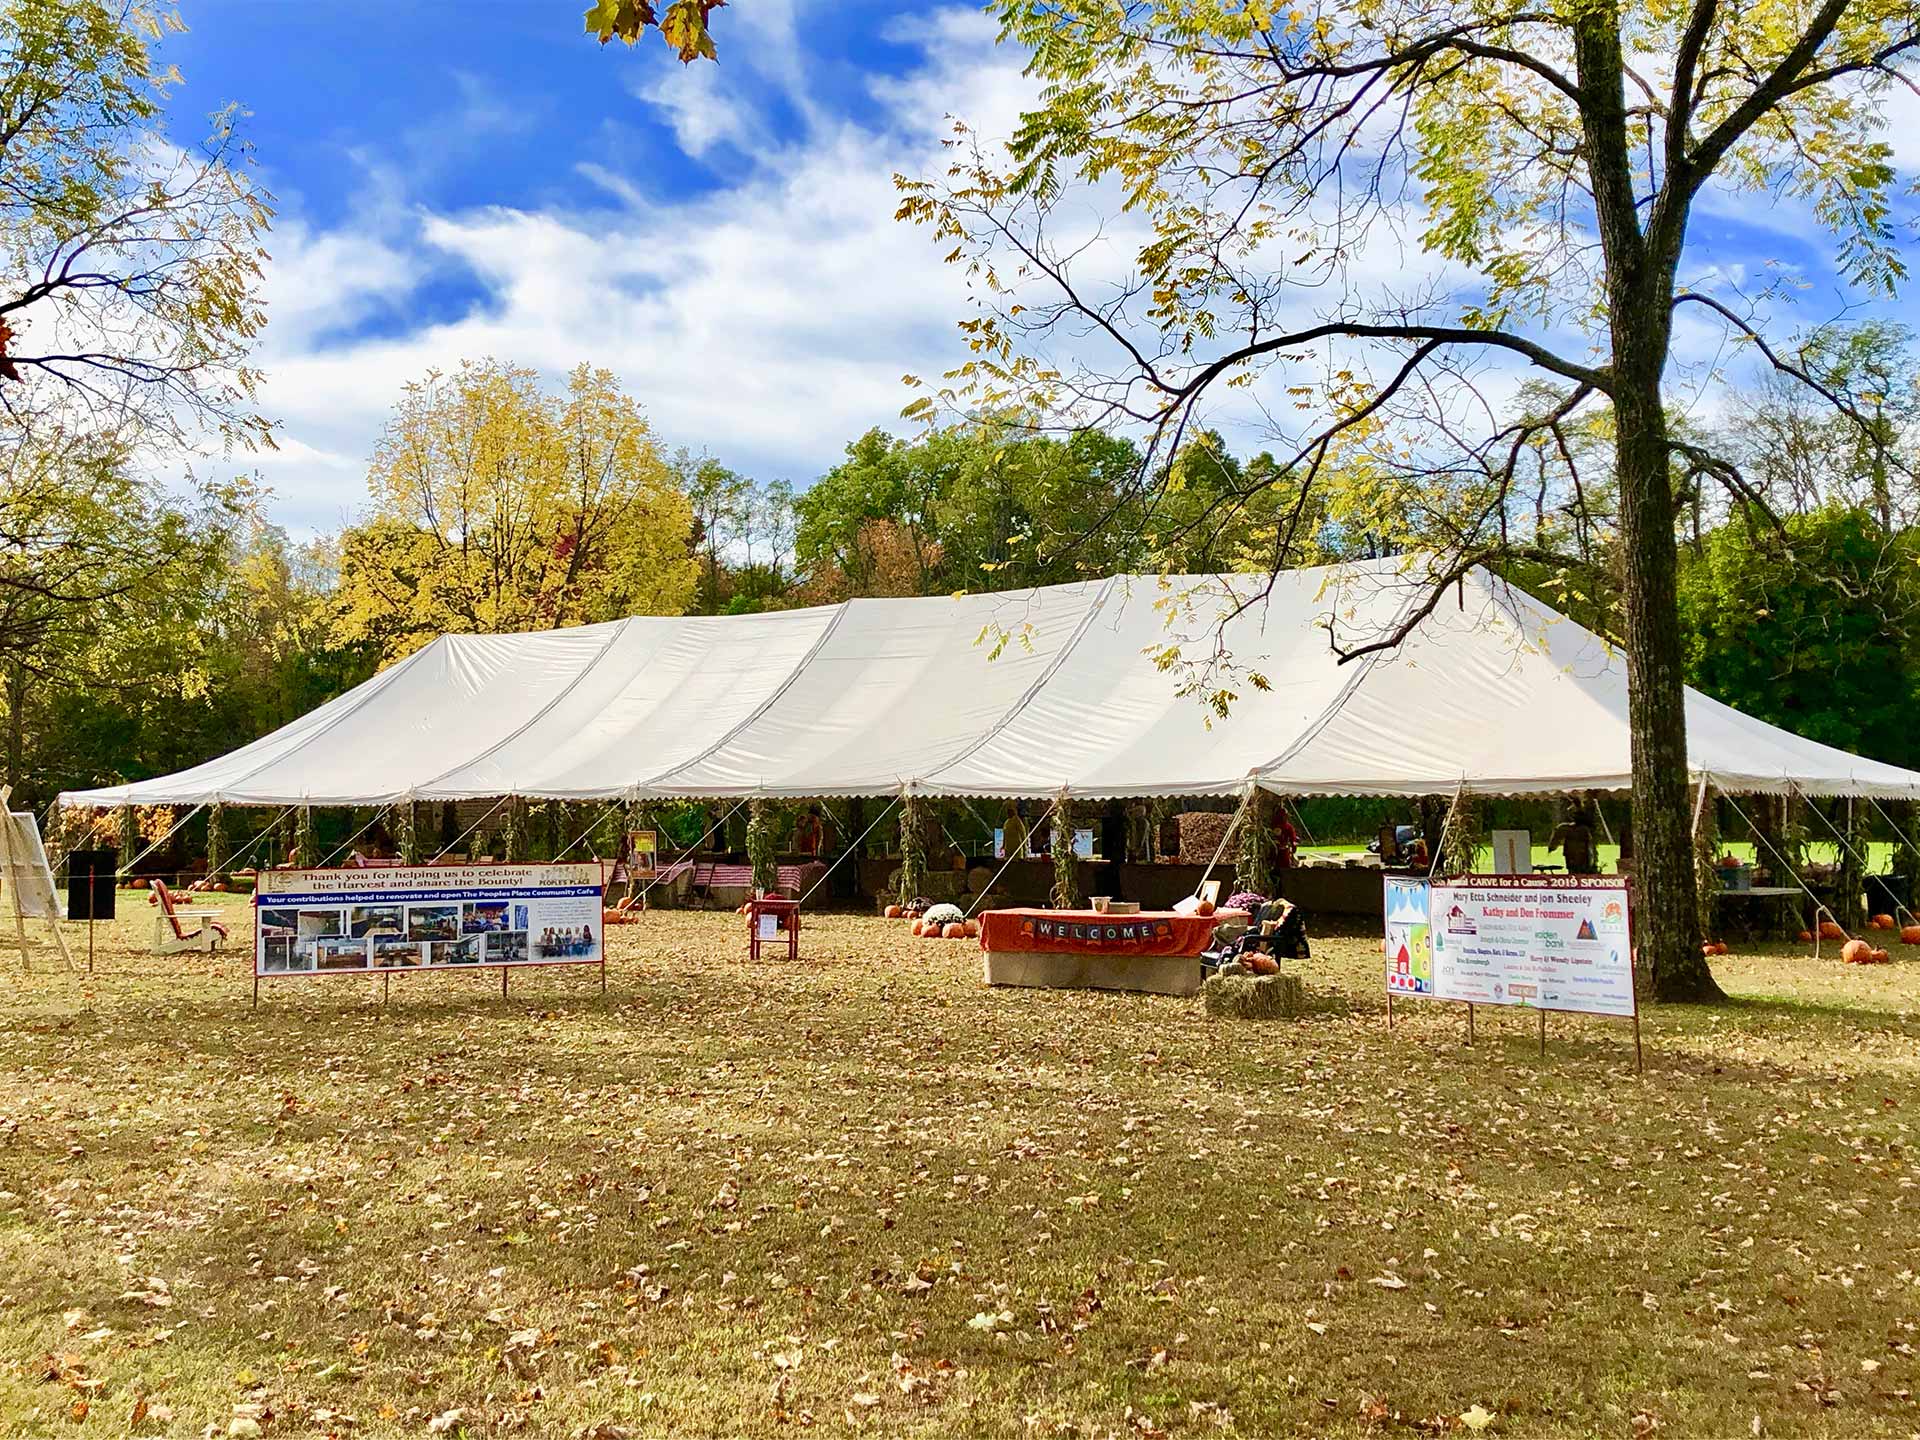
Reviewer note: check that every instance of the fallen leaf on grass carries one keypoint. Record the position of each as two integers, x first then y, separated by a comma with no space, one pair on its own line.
1476,1418
1388,1282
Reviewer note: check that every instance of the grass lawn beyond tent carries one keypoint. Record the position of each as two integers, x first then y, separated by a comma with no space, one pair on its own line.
867,1195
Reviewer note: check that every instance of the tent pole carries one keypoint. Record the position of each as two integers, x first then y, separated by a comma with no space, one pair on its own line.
1843,839
1818,908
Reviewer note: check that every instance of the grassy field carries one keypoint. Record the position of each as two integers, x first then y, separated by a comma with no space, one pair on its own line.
868,1195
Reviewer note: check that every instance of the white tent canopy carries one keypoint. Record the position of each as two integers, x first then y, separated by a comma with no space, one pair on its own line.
1029,692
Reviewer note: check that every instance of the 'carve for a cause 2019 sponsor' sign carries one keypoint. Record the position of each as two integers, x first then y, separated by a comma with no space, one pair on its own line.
426,917
1544,942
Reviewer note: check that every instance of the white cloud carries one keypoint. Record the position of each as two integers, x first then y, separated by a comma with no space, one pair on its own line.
769,321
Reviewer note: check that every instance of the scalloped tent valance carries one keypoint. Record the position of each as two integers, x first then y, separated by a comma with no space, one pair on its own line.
1030,692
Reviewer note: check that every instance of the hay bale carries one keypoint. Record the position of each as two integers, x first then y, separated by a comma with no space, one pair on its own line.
1201,832
1254,997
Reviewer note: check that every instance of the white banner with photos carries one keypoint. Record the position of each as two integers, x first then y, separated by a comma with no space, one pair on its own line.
426,917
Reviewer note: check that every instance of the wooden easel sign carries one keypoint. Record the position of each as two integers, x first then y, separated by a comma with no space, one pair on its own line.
28,880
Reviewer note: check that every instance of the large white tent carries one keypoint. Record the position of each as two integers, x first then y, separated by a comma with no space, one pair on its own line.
1092,689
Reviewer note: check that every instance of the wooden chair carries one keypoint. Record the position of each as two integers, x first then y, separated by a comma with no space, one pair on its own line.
170,937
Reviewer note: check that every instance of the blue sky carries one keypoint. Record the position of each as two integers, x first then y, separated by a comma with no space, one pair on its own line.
464,180
458,180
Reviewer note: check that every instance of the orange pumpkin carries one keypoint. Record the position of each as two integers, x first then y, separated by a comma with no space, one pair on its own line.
954,930
914,927
930,930
1879,957
893,912
1805,937
1831,931
1856,952
140,883
1263,964
1910,934
973,929
1205,907
1881,922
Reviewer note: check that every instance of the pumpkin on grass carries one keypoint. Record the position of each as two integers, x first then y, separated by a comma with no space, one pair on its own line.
973,929
1910,934
1881,922
1829,930
1857,952
1805,937
1879,957
954,930
893,912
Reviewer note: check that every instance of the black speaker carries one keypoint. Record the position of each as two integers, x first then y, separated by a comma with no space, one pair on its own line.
90,884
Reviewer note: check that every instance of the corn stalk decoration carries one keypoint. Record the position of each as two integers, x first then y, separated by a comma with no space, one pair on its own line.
1460,837
1253,864
1852,879
1066,865
762,823
512,823
304,849
1706,874
913,849
406,820
216,840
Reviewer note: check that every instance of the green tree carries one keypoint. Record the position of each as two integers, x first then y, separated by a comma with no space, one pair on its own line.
1827,646
1262,151
499,506
979,505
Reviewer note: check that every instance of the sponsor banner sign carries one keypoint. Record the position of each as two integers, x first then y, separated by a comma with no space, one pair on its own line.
426,917
1543,942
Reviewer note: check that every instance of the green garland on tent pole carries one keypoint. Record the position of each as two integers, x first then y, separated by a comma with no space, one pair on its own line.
1706,874
1460,839
216,840
761,815
1852,879
303,846
129,834
913,849
1066,865
1253,865
511,825
406,820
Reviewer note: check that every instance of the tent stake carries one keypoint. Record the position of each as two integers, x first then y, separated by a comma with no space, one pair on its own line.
1543,1034
1469,1023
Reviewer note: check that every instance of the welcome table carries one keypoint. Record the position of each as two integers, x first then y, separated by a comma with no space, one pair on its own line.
1157,951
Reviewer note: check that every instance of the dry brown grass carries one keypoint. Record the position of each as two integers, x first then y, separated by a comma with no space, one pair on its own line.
868,1194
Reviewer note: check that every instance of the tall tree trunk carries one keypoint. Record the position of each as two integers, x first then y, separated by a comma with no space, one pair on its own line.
1640,287
1667,922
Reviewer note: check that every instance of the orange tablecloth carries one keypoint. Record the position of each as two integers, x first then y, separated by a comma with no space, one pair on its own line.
1086,932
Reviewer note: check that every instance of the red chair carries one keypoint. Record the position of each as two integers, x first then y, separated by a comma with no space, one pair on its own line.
170,937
